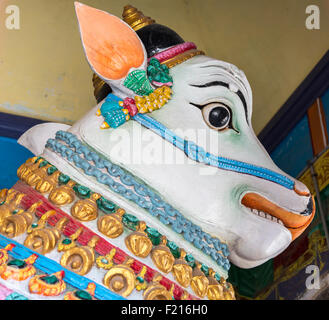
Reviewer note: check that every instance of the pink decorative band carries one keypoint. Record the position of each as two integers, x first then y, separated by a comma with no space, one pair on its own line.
174,51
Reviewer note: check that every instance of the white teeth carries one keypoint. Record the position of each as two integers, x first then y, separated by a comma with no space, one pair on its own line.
266,216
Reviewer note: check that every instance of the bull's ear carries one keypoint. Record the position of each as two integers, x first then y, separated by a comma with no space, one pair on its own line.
112,48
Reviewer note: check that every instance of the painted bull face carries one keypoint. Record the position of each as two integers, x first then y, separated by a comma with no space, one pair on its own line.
258,217
237,194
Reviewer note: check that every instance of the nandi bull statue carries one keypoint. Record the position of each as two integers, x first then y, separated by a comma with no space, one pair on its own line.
152,192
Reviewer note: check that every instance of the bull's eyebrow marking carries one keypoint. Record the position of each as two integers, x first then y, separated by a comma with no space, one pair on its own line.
226,85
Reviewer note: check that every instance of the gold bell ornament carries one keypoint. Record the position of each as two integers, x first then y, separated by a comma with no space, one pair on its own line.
182,271
138,242
199,282
48,182
63,194
86,210
111,224
215,289
162,256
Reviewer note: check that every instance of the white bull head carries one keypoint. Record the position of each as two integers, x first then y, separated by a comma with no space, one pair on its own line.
243,197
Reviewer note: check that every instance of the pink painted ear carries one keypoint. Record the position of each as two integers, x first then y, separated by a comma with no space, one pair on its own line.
111,46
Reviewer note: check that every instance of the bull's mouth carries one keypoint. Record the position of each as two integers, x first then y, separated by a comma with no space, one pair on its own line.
294,222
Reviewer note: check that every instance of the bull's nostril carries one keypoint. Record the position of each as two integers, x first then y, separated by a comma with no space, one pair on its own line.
309,209
301,189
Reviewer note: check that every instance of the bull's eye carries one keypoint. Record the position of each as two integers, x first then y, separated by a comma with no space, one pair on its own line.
217,116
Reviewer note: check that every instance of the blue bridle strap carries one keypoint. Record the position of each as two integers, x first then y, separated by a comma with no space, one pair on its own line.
198,154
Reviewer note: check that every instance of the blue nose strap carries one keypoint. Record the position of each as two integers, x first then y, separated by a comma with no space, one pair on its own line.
198,154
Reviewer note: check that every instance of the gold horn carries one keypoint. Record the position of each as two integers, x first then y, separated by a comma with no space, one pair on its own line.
135,18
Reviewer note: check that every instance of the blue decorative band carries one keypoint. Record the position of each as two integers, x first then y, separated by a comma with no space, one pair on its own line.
141,194
49,266
198,154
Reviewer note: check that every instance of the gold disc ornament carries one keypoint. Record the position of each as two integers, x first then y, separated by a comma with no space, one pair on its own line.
44,240
80,259
121,279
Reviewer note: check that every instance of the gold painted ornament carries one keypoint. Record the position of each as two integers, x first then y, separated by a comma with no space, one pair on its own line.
199,282
18,223
156,291
48,285
105,262
138,242
80,259
62,195
182,271
27,168
140,282
87,294
215,289
155,100
43,240
70,242
121,279
86,210
162,257
19,270
36,175
135,18
228,290
10,203
3,196
111,224
48,182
